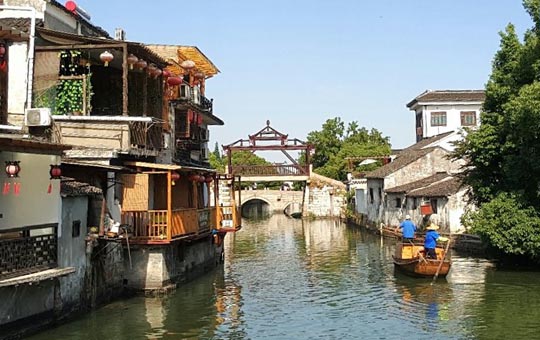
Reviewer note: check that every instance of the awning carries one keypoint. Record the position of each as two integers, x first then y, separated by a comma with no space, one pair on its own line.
37,277
167,166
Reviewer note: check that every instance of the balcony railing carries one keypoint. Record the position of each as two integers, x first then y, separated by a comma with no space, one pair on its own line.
193,95
153,226
124,134
270,170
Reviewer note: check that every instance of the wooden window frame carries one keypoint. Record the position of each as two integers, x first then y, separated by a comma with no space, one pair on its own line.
467,114
438,118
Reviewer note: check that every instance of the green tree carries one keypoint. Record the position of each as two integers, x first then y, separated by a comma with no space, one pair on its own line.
503,161
335,142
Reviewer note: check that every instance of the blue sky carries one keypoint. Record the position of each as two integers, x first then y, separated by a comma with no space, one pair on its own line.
298,62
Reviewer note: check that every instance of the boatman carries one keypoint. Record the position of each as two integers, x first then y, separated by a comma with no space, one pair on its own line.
407,229
432,236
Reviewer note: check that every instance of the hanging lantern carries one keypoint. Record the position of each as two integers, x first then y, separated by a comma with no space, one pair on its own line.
141,64
157,72
175,176
55,171
106,57
150,69
132,60
174,81
2,51
199,75
202,179
12,169
187,65
194,177
166,74
209,178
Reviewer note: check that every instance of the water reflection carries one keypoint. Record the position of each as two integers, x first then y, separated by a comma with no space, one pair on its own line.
292,279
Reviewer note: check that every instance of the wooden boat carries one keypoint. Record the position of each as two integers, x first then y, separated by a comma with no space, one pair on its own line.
411,259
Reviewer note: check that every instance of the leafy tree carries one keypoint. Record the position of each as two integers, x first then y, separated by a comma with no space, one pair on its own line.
508,226
503,154
335,142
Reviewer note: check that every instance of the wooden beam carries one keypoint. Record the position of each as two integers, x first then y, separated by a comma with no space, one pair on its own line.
79,47
169,205
125,89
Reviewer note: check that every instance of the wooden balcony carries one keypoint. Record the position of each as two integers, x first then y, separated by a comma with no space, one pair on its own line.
122,134
154,226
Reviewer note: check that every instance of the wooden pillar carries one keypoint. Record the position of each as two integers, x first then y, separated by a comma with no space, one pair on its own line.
125,66
145,93
216,202
169,205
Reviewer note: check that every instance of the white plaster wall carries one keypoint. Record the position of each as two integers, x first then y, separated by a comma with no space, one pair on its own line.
457,204
453,117
423,167
33,206
17,78
361,201
375,208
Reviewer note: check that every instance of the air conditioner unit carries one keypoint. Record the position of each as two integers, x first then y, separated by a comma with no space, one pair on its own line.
205,135
37,117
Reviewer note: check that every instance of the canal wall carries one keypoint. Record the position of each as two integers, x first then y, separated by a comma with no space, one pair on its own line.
156,269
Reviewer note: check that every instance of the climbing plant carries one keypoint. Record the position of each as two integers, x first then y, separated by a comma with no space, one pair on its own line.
70,91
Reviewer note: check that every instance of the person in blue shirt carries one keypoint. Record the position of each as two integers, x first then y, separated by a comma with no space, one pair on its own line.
431,238
407,229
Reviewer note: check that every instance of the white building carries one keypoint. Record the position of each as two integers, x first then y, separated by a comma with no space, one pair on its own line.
442,111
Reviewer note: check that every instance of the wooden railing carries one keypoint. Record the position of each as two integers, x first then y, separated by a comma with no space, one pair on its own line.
152,225
229,216
270,170
146,135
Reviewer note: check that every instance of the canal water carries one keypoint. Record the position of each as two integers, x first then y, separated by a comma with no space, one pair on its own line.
294,279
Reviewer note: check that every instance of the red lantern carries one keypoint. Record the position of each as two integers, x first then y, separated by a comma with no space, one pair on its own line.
175,176
55,172
209,179
187,64
194,177
106,57
150,69
12,169
202,179
166,74
141,64
132,60
157,72
174,81
2,51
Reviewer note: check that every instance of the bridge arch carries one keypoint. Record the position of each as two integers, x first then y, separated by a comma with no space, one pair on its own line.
256,207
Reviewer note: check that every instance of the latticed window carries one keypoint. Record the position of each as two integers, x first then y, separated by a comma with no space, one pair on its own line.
438,118
468,118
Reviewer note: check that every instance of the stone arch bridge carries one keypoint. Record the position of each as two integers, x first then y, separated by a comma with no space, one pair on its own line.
277,200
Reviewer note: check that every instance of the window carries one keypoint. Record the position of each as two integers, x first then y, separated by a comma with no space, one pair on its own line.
468,118
76,228
414,204
398,202
371,195
438,118
433,202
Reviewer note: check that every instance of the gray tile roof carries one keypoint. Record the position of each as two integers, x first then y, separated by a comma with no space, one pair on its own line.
406,188
443,188
448,96
70,187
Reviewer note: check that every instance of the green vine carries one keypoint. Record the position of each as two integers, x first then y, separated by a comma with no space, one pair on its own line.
69,92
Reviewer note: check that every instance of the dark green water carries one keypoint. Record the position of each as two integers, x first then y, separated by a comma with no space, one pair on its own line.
292,279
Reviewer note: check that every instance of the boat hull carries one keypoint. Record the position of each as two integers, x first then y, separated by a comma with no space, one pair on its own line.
409,259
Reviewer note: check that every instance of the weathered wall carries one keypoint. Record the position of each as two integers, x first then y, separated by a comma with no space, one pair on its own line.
17,77
277,199
324,202
72,249
159,267
374,200
433,162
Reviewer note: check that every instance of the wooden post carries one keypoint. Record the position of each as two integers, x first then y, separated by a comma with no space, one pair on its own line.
125,66
216,202
84,96
169,205
102,217
196,201
145,94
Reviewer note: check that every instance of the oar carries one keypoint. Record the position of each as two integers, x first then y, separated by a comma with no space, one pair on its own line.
419,253
441,263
